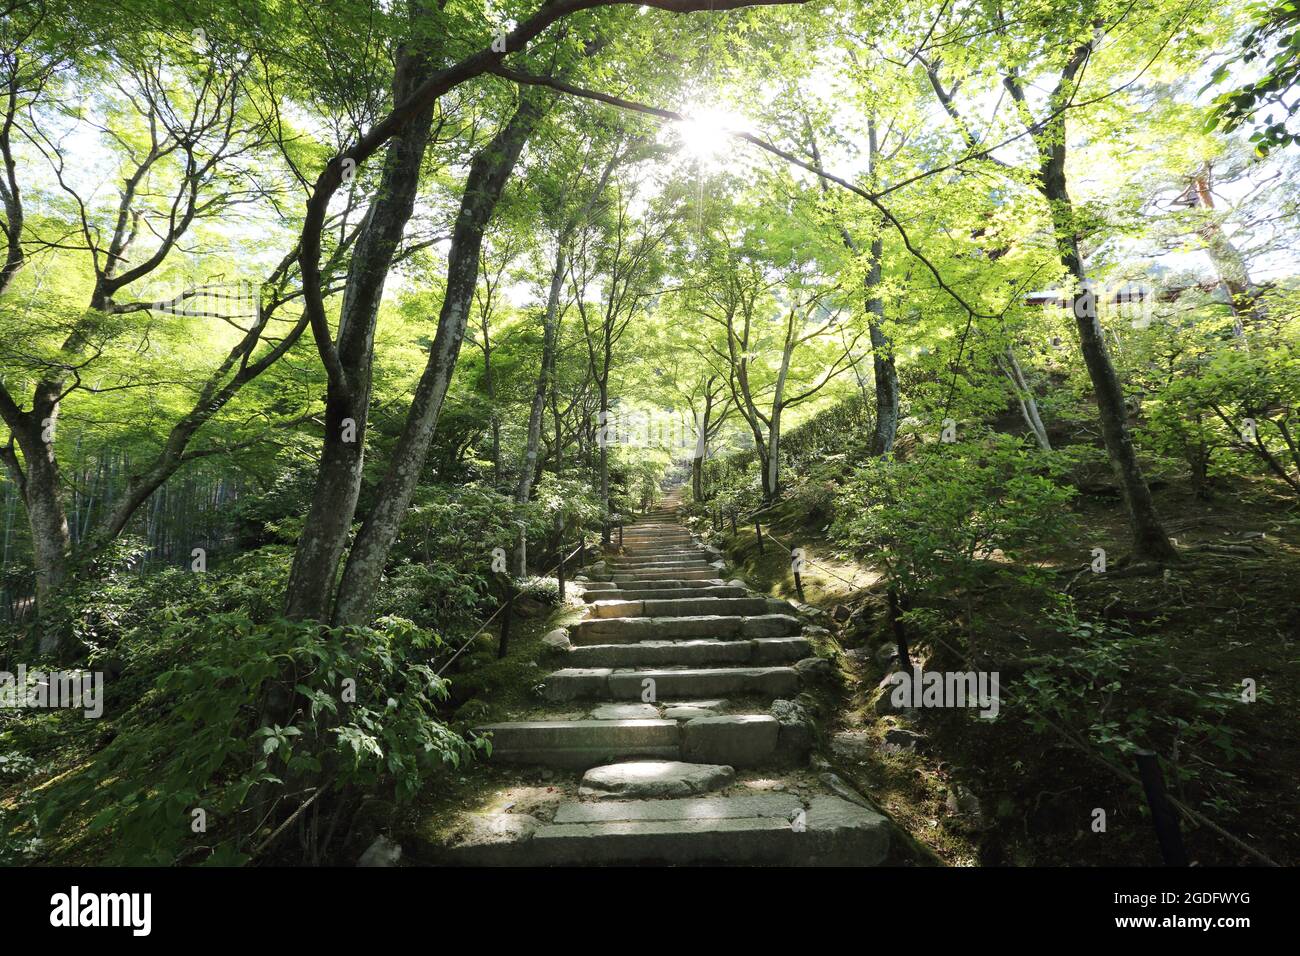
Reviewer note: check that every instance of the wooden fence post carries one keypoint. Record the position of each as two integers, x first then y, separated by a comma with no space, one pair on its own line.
1168,834
900,633
758,529
509,612
796,562
559,571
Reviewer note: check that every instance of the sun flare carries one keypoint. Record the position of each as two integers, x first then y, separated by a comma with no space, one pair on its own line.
705,133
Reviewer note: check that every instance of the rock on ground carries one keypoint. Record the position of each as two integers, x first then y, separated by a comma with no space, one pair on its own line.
638,779
383,852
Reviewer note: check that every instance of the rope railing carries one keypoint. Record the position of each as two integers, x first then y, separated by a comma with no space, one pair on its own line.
508,605
1150,780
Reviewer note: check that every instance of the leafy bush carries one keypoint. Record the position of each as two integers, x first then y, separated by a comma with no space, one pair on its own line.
251,714
940,519
215,703
543,590
1088,681
1203,416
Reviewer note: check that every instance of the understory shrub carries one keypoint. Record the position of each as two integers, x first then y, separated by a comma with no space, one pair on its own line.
245,726
953,513
1086,676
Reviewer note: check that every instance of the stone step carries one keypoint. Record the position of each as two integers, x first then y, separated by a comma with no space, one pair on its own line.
630,630
741,830
654,568
666,574
677,607
640,594
643,553
604,683
780,805
736,740
680,561
767,650
579,744
656,550
667,585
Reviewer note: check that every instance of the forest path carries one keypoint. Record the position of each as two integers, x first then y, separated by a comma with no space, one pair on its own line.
689,747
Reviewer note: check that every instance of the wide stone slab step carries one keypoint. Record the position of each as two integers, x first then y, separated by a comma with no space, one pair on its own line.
632,630
678,607
670,574
578,744
734,740
769,650
605,683
741,830
644,560
632,567
703,682
668,585
783,806
641,594
662,553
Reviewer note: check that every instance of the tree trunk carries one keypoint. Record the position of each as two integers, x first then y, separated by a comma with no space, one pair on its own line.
41,489
488,173
882,361
774,456
51,543
1149,539
882,350
604,436
1229,263
550,333
550,338
338,481
490,384
1025,397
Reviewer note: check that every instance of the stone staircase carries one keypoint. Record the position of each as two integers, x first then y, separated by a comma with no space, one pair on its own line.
687,677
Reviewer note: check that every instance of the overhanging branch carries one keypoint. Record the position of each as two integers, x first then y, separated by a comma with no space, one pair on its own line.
675,116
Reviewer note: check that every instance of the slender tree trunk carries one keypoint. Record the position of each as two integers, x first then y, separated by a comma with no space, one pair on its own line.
774,456
773,463
1150,542
704,424
887,389
490,384
1024,397
488,173
882,361
604,451
550,334
1229,263
550,340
